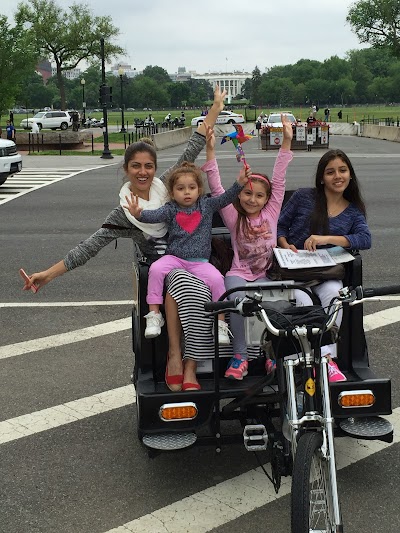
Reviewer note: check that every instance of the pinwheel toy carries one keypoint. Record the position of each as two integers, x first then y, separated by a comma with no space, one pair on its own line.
238,137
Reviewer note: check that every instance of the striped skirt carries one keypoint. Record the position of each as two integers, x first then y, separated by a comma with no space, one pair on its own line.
191,294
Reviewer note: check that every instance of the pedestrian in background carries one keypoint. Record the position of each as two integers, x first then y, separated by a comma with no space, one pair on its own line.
10,131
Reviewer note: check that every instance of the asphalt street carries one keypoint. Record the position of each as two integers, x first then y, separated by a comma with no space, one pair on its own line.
70,459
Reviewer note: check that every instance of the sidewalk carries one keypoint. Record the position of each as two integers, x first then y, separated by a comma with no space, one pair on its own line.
83,162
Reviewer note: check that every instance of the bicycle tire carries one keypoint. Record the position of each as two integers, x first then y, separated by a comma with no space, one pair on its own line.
312,508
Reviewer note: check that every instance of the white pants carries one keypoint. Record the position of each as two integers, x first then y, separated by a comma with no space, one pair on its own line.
325,292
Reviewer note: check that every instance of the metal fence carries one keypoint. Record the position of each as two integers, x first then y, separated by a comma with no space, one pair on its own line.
388,121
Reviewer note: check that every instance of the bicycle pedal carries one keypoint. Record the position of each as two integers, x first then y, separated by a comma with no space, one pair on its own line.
255,437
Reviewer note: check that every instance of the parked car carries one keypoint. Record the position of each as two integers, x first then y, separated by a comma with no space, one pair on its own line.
225,117
274,119
10,159
49,119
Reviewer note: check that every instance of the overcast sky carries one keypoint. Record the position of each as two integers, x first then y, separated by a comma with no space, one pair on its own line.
208,35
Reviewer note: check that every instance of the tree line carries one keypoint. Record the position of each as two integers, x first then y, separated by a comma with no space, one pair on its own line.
42,30
364,76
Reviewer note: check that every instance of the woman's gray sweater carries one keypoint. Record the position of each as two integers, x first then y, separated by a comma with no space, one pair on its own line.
90,247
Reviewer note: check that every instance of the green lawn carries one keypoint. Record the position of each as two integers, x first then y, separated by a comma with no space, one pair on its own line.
350,114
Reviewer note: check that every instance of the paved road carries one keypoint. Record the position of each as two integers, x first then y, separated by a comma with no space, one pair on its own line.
70,461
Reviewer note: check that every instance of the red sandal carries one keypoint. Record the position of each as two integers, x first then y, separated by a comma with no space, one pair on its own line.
173,381
190,386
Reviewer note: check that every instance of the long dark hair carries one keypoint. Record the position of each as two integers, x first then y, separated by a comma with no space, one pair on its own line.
242,224
319,217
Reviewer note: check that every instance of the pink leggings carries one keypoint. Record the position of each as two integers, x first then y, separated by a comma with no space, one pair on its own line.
202,270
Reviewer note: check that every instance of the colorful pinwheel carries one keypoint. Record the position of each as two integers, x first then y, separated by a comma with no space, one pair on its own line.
238,137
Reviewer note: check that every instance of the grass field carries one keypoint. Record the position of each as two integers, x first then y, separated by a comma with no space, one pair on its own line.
350,114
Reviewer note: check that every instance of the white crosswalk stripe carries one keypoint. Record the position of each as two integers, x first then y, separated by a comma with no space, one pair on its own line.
29,180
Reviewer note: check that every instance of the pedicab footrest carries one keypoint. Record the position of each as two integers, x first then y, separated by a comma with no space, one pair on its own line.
255,437
369,427
169,441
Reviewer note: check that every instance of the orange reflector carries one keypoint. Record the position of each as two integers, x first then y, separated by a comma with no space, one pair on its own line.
362,398
178,411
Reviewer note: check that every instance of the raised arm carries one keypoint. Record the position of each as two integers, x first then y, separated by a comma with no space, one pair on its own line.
197,140
216,108
287,132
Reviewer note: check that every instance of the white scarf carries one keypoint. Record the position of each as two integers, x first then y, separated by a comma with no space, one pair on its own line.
158,196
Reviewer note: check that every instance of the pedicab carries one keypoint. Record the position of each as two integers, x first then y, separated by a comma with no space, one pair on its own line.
292,414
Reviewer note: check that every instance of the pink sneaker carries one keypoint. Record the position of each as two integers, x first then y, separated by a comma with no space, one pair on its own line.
270,365
334,373
237,368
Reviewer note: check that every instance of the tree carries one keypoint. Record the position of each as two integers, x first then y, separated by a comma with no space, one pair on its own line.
157,74
17,62
247,88
377,22
200,92
178,93
67,38
148,93
255,84
33,94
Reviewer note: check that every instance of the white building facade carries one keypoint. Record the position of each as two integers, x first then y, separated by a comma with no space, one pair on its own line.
231,82
69,74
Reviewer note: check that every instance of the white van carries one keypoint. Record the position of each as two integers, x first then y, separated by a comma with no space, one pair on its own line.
10,159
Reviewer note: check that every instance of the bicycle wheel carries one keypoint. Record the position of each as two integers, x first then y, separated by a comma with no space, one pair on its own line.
312,490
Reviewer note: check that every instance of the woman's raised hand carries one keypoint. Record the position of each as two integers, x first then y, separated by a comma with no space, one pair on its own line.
133,205
287,128
219,97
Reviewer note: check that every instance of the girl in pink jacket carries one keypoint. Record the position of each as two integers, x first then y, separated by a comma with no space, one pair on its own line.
252,221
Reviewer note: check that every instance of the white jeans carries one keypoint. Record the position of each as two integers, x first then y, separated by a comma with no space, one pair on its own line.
325,292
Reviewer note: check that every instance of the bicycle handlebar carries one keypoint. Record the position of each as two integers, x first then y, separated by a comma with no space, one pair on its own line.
222,306
249,306
381,291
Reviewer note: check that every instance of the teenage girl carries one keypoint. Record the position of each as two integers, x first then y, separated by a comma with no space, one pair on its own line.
252,221
330,214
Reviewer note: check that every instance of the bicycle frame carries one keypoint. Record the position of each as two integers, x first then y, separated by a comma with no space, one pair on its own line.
318,421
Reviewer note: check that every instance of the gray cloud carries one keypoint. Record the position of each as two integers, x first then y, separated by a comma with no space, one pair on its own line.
232,35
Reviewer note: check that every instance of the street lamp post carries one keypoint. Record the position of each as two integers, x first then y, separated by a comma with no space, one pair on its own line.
121,73
83,102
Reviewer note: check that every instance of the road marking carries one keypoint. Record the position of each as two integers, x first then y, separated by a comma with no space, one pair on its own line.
66,304
29,180
53,417
379,319
382,318
59,415
44,343
207,509
233,498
